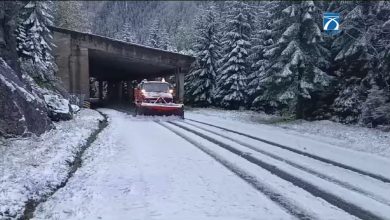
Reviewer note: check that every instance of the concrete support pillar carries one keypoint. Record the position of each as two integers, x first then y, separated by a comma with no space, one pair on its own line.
129,91
179,85
100,90
115,91
62,55
79,71
119,89
110,91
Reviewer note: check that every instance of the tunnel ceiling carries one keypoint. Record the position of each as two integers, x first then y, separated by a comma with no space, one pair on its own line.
106,66
111,59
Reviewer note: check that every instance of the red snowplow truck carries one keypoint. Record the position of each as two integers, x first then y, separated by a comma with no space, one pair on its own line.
156,98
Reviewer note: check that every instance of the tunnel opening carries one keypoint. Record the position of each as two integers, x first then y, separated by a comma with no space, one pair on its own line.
107,93
112,78
102,70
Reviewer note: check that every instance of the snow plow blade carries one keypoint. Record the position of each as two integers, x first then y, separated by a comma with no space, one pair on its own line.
160,109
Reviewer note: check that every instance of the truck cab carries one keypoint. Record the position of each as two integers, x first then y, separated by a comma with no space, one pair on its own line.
156,98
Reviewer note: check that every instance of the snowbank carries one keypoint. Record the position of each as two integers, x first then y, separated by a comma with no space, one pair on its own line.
32,167
347,136
239,115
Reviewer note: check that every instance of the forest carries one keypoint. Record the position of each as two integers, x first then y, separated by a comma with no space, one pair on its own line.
270,56
275,57
195,110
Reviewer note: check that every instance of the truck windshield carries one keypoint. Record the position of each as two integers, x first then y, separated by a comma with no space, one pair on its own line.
156,87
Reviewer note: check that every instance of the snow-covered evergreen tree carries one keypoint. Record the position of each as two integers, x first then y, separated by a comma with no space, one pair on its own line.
376,108
261,39
184,36
360,58
70,15
165,41
154,39
34,40
159,37
126,34
297,59
232,75
200,82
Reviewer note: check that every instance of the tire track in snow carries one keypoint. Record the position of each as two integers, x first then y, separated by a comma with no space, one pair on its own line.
325,160
306,169
307,186
285,203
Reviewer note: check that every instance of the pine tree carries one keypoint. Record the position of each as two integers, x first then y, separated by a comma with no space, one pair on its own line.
126,34
154,39
70,15
297,59
360,59
261,39
184,37
232,75
376,108
33,40
200,82
165,41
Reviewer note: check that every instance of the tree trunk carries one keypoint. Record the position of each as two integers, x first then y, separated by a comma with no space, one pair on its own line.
299,111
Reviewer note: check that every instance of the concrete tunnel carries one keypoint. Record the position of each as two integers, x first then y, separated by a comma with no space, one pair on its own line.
86,61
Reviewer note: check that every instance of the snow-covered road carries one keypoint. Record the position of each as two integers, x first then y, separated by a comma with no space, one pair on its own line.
153,168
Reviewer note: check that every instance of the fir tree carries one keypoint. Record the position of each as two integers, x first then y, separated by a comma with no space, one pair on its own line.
184,36
297,59
70,15
376,108
200,82
159,37
165,41
34,40
232,75
261,39
360,58
126,34
154,39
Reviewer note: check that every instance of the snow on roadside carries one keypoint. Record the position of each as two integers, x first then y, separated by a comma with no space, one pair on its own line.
350,136
137,169
347,136
239,115
34,166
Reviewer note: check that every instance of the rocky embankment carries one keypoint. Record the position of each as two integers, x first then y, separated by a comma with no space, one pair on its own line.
21,111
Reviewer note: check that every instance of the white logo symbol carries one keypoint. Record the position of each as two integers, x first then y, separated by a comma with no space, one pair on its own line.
330,20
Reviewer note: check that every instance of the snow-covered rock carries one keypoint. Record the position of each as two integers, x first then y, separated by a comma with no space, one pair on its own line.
75,108
20,111
59,108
